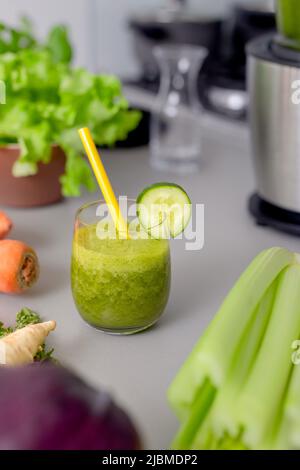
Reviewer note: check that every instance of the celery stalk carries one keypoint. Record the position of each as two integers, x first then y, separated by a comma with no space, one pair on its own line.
289,433
293,410
224,417
213,355
222,412
204,438
207,440
197,414
262,395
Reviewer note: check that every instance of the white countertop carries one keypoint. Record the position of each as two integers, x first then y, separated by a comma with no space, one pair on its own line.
138,369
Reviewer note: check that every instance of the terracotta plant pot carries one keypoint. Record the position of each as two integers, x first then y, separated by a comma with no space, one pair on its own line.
30,191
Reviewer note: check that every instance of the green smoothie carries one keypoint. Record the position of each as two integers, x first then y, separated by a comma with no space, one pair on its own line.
288,22
119,286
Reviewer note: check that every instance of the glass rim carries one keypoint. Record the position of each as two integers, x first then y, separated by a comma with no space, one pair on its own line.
98,202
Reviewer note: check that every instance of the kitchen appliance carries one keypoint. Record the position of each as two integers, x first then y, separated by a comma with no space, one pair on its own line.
151,30
222,83
274,84
222,79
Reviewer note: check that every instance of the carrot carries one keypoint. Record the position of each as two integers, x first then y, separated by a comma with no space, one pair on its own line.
19,266
5,225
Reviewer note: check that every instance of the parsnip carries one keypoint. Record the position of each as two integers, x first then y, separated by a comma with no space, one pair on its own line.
21,346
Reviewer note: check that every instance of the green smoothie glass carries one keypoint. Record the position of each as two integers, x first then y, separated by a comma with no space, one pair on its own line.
288,22
119,285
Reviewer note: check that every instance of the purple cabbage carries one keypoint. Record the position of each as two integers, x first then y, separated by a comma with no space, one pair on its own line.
47,407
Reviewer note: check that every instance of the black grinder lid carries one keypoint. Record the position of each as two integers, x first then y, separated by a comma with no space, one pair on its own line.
269,49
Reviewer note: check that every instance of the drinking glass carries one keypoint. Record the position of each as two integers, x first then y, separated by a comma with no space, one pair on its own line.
175,142
120,285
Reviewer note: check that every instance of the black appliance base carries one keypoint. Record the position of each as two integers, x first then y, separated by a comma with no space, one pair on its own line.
267,214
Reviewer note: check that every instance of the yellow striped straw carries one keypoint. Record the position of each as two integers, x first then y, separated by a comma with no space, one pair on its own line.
103,180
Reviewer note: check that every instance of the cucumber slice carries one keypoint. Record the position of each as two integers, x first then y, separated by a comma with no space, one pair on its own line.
164,209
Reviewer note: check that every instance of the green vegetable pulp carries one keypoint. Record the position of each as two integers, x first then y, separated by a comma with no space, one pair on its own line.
119,285
288,22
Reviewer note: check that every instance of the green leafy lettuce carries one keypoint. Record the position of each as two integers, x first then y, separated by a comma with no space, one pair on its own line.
47,101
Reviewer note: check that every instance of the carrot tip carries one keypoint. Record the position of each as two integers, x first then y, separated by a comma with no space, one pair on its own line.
5,225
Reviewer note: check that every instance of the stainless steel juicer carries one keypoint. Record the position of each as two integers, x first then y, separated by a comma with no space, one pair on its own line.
273,75
273,80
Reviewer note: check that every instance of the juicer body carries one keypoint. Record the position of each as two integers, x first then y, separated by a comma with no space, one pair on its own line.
275,124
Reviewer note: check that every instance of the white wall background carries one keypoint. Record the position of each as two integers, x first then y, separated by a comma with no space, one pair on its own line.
74,13
99,30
